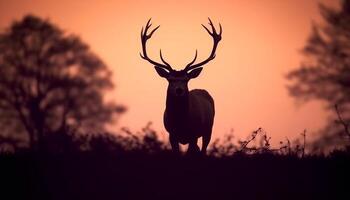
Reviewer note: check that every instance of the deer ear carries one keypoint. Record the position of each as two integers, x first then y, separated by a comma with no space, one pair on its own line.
194,73
162,72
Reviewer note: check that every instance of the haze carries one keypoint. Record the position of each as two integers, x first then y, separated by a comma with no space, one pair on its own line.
261,44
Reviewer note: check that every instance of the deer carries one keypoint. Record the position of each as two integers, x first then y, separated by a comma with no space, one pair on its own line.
188,115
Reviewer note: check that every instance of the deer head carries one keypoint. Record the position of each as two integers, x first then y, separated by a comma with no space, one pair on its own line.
178,80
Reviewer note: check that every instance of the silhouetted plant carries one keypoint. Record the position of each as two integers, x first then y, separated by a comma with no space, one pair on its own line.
151,141
342,121
105,166
50,80
223,147
146,141
256,143
244,144
325,73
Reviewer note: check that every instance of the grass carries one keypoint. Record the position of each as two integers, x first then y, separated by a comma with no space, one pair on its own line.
104,166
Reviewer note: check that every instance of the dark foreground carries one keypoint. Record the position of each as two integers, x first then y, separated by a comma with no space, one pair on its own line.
165,176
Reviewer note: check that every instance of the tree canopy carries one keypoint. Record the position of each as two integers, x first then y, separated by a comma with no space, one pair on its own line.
50,81
325,72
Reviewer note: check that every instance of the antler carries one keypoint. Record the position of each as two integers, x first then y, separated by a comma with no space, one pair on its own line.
216,38
144,38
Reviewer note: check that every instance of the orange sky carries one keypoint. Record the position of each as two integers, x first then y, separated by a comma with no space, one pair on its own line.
261,43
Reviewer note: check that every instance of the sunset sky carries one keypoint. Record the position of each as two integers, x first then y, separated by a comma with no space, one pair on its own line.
261,43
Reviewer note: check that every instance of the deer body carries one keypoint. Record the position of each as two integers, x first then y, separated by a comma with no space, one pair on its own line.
190,118
188,115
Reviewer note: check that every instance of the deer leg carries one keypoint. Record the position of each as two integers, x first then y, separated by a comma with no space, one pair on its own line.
205,142
193,147
174,145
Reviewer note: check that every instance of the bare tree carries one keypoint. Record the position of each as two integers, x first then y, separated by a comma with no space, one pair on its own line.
325,72
50,80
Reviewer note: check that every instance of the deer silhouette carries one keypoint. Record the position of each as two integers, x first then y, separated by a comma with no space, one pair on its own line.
188,115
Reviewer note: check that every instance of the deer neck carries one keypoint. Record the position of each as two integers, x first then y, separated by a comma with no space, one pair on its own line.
177,107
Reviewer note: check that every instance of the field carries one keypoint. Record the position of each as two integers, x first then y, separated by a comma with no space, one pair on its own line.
144,168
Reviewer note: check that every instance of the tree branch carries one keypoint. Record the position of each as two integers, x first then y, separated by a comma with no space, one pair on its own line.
341,120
